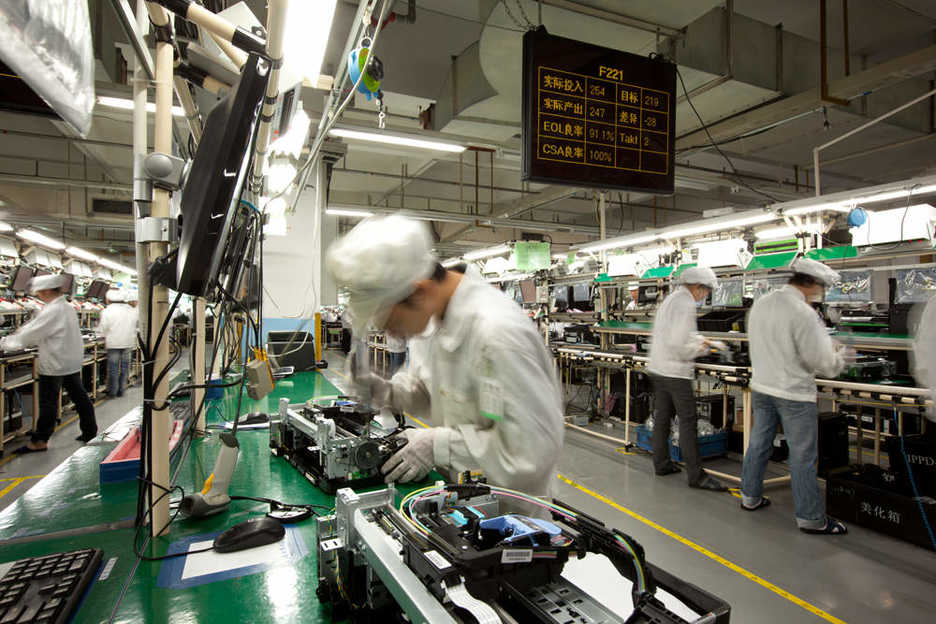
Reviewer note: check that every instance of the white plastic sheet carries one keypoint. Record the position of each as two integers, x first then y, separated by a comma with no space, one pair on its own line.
48,43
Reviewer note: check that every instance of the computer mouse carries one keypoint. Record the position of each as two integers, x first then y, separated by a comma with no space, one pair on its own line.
255,418
249,534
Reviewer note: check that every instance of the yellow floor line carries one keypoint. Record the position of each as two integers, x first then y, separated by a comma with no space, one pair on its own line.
7,489
28,477
708,553
418,422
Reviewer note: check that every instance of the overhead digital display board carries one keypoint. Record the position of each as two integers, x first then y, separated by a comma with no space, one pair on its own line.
596,117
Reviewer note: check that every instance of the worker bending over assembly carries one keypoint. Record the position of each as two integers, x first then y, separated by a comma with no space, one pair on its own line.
483,376
789,346
676,343
118,325
55,331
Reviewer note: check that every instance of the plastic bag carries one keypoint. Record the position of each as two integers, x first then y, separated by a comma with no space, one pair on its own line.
48,43
916,285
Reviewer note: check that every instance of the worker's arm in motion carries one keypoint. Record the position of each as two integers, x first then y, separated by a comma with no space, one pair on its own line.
29,334
680,323
815,346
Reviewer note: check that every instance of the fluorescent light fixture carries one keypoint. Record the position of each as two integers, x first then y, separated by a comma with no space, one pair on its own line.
348,212
40,239
718,225
487,252
280,173
786,231
308,24
4,226
617,243
394,139
451,262
81,253
125,104
847,202
116,266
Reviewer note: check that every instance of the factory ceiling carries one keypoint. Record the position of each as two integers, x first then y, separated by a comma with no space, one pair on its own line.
751,68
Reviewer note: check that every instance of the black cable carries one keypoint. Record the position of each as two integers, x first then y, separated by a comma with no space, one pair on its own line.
714,144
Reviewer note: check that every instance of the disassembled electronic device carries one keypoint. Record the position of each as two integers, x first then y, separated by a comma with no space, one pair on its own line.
869,368
334,446
449,554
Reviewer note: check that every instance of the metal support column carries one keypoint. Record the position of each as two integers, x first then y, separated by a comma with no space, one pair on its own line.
159,427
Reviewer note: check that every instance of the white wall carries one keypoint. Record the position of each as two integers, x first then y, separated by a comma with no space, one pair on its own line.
292,271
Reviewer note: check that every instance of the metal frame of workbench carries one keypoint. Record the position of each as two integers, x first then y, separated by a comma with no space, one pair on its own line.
899,398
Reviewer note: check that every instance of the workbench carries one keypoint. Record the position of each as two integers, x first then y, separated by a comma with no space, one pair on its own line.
21,370
69,509
879,396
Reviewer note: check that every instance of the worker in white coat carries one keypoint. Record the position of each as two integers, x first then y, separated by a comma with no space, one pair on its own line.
789,346
56,333
486,380
633,289
675,345
118,326
924,353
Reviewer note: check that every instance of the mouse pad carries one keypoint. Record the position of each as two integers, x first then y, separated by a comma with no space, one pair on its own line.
210,567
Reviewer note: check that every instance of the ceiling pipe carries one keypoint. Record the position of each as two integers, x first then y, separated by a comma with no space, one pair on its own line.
62,183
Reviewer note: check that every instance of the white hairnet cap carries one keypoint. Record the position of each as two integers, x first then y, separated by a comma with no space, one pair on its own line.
46,282
378,262
633,286
816,270
132,296
115,295
699,275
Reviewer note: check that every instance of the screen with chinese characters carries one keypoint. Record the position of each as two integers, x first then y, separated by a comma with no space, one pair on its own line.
597,117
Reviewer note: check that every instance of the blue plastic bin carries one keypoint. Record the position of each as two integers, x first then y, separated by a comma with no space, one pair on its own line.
709,445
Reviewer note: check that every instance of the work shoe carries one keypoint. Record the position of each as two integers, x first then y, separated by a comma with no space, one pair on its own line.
669,469
708,483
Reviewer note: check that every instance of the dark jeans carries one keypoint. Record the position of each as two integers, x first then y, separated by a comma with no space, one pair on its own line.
49,387
118,368
674,396
800,422
395,361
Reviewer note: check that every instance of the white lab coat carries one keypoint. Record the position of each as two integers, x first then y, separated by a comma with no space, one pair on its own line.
676,341
924,352
631,306
789,346
55,331
487,382
118,325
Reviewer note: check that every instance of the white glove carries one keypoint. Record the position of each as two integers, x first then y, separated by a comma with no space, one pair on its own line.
414,461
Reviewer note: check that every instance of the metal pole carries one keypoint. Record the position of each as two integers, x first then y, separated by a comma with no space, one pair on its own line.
162,142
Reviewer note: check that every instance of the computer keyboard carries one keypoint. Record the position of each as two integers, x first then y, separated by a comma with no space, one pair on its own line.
47,589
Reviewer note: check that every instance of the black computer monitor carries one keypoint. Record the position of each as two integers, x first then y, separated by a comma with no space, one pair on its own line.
528,291
68,286
581,293
97,290
212,191
21,278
